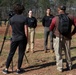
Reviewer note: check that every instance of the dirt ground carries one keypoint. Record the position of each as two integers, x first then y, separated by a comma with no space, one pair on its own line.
40,63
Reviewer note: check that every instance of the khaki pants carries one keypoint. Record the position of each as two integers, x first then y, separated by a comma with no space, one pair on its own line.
31,37
65,44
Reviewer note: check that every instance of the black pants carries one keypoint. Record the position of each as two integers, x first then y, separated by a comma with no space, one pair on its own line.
21,51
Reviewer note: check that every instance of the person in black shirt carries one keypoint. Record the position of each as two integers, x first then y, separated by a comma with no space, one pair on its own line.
32,24
19,37
46,21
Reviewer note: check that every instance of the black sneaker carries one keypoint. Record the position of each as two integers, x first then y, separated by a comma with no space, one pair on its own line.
20,71
5,71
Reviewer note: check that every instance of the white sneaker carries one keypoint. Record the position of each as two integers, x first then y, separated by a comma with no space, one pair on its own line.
60,70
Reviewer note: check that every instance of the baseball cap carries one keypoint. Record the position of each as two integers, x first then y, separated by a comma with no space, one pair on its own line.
63,8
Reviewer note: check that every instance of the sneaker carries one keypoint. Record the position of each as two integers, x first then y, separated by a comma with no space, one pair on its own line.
69,66
60,70
20,71
5,71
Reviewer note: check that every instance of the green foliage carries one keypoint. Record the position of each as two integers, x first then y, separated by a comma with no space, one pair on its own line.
27,3
38,6
35,3
44,3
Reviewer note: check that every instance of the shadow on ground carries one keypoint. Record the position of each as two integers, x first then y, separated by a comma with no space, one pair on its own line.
36,67
73,48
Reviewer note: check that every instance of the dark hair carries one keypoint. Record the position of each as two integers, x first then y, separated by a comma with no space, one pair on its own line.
30,10
18,8
62,8
49,8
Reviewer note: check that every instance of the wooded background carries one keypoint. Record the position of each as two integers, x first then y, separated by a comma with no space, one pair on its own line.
38,6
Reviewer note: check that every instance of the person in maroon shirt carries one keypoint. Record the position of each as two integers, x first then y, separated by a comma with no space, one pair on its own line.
62,42
75,20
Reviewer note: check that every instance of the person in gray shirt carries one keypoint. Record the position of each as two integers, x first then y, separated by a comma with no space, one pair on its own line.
19,37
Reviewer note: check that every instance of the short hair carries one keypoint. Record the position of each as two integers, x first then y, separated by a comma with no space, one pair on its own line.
30,10
49,8
18,8
62,8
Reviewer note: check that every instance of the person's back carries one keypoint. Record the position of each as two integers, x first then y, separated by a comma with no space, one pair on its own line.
19,37
61,41
64,29
17,23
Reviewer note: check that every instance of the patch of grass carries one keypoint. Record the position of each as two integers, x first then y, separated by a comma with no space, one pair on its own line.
7,36
73,39
1,36
39,35
39,23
